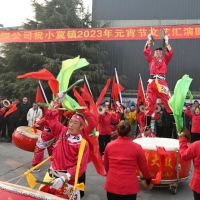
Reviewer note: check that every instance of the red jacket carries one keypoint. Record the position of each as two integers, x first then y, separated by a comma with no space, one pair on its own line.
121,159
192,153
195,121
105,123
157,66
66,150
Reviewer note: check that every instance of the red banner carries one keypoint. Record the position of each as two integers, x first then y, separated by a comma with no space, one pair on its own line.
95,34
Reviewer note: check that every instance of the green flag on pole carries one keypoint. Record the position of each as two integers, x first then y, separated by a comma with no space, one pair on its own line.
176,102
68,67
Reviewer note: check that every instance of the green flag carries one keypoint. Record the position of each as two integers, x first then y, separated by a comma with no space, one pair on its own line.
176,102
68,67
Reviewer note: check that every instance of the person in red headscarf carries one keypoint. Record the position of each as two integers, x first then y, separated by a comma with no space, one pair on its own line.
65,154
157,85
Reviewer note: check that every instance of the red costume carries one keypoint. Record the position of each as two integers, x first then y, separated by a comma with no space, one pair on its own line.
158,70
191,153
66,150
46,140
121,159
195,121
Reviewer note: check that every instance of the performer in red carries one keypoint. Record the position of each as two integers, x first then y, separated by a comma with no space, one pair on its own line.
157,85
191,152
65,153
146,134
46,140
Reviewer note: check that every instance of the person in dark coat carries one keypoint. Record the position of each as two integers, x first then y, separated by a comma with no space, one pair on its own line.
25,106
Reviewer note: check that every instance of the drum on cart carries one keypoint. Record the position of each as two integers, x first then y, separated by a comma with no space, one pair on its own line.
25,139
10,191
174,170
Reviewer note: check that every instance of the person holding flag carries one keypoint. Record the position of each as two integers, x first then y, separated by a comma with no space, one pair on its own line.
157,85
65,153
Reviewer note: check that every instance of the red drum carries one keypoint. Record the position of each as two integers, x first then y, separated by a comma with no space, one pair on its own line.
10,191
174,168
25,139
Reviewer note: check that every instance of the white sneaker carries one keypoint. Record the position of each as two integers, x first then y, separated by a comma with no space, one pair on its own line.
36,170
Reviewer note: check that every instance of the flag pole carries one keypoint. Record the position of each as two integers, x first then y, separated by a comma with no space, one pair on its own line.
43,93
117,80
88,86
142,84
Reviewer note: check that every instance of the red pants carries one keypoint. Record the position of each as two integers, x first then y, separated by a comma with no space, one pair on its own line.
39,154
152,95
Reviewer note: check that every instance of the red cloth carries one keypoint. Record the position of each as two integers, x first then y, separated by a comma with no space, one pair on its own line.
116,89
44,74
157,67
2,111
140,95
11,108
105,120
121,159
195,121
103,92
66,150
191,153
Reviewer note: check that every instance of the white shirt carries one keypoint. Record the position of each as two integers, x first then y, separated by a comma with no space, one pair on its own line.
34,115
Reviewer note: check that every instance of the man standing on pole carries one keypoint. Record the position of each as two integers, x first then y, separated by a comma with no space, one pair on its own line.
157,85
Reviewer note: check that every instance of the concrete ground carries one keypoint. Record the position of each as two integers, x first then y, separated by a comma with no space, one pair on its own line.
14,162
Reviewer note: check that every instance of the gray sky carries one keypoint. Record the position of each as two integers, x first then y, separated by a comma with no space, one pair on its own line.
15,12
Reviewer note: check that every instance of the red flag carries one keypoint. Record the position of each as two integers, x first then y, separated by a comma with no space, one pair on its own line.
116,89
141,95
44,74
78,97
103,92
39,96
93,107
140,101
11,108
84,96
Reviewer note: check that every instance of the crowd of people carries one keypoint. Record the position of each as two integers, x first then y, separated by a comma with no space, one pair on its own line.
17,118
67,135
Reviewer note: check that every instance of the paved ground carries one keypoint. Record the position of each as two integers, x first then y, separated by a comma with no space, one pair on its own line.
14,162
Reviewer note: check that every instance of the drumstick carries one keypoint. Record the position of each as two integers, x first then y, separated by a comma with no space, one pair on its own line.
44,183
35,167
35,124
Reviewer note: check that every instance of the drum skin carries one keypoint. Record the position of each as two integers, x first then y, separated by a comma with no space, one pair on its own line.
169,171
171,147
25,139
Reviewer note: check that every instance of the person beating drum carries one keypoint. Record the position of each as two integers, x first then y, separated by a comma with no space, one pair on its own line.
191,152
121,159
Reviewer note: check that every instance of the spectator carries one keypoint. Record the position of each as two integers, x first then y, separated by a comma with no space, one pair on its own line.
14,119
131,118
25,108
195,130
121,159
34,114
105,130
